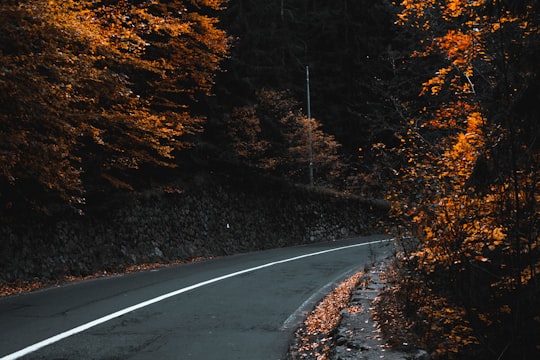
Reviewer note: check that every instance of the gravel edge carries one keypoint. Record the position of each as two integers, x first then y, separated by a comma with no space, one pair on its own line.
357,335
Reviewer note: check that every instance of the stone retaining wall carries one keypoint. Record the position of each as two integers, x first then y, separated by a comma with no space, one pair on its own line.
173,224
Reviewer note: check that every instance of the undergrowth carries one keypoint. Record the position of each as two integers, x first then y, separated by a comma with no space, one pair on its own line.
415,311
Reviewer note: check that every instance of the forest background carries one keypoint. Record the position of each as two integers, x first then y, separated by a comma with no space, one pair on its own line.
432,105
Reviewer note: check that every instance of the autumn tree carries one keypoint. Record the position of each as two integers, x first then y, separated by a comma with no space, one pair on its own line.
91,90
469,176
275,135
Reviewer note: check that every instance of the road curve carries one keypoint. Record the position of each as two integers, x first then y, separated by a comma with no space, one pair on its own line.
239,307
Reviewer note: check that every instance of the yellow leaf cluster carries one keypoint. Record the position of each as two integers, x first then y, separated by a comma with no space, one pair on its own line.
475,218
447,329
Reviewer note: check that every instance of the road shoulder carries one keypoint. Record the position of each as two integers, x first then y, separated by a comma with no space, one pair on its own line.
356,335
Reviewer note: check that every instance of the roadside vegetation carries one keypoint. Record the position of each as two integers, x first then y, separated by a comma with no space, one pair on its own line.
467,184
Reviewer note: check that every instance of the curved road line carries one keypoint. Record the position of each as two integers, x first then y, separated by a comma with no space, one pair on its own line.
32,348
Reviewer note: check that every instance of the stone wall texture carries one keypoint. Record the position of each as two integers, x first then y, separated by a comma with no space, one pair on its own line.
172,224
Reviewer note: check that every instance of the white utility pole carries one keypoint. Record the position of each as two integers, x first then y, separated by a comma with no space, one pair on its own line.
310,144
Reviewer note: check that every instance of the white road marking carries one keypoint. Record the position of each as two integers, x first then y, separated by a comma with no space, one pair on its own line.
33,348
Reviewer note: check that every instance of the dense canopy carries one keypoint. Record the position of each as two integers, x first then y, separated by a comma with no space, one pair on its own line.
89,88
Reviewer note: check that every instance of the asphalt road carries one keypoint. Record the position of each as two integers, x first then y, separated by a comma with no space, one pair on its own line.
238,307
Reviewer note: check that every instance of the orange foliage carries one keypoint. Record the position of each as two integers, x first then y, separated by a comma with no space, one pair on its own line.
274,135
316,335
90,87
471,188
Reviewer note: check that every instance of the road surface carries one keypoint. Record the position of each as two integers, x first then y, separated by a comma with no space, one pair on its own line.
239,307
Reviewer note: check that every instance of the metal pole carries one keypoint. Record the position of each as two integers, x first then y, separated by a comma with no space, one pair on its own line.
310,144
